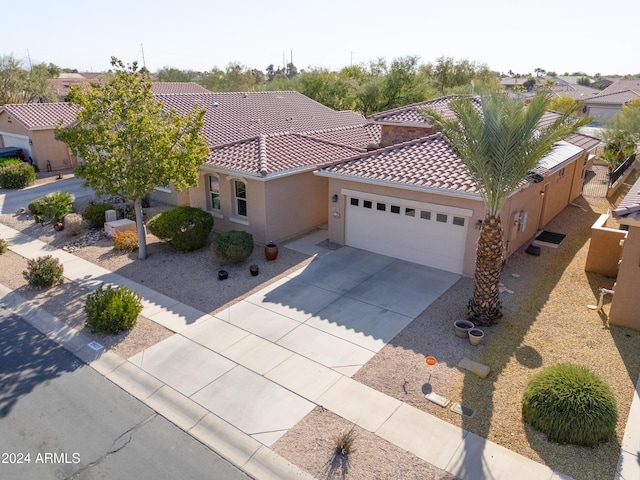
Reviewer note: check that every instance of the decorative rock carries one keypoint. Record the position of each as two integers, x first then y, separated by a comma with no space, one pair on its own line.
474,367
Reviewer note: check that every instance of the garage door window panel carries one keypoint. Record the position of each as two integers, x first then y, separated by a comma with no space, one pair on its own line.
382,207
441,217
425,215
355,202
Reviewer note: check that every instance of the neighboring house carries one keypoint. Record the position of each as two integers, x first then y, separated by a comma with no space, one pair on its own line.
414,199
30,126
609,101
63,83
625,303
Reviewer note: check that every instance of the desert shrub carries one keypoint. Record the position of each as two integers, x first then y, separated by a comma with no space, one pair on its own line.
343,442
52,206
17,176
73,224
570,404
94,214
5,162
126,241
185,228
232,247
112,310
43,272
4,245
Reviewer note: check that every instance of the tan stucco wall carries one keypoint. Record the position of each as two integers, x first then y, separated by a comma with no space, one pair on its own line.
277,209
11,125
556,193
604,248
46,147
526,200
394,134
625,303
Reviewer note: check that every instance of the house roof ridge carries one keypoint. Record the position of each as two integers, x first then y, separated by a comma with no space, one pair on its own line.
262,155
328,142
417,104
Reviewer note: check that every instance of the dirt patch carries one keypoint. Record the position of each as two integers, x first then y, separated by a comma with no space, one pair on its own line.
311,446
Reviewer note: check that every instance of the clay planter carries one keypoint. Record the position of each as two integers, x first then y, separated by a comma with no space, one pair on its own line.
271,251
475,336
223,274
254,270
461,328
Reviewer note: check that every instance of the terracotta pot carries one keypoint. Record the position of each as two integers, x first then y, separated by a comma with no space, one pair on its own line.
254,270
461,328
223,274
475,336
271,251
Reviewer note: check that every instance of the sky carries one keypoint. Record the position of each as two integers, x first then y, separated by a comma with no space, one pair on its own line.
561,36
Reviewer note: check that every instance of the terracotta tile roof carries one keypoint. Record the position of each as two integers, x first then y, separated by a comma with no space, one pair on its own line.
585,142
360,136
41,115
630,205
237,116
172,88
266,155
577,92
410,114
619,97
428,162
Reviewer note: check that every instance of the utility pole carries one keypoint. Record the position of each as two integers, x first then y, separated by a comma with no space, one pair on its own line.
144,63
29,57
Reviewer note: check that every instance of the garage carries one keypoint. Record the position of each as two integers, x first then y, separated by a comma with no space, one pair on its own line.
425,233
18,141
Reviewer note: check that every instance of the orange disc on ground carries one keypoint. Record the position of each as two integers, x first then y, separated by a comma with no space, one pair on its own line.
430,361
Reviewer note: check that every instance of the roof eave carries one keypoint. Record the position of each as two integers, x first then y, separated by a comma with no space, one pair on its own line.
402,186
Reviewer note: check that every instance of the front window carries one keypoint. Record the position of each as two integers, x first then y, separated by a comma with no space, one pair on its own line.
240,190
214,192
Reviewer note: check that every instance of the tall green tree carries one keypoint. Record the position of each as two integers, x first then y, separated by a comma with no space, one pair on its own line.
499,143
130,143
19,85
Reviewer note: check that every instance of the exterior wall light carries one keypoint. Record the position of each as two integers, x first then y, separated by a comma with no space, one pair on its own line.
334,198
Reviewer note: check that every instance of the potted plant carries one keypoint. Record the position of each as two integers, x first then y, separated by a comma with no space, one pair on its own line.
271,251
475,336
462,327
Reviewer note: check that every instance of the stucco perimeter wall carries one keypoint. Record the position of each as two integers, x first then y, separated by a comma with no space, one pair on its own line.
604,248
625,303
336,221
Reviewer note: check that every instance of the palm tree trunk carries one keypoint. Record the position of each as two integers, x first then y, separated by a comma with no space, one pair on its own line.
485,307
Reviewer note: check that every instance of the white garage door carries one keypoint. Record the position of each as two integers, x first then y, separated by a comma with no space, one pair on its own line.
424,233
18,141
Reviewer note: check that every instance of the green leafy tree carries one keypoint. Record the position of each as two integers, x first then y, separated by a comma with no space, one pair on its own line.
170,74
130,143
18,85
563,105
499,145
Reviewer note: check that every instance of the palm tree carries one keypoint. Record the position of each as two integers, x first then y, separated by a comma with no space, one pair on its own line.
500,143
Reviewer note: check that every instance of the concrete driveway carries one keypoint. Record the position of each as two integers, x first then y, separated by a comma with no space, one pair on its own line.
265,362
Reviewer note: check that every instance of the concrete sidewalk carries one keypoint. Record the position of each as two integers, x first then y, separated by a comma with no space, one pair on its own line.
239,380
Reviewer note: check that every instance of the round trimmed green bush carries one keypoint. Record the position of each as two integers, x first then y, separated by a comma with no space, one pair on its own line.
4,245
570,404
185,228
43,272
95,214
232,247
112,310
16,176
